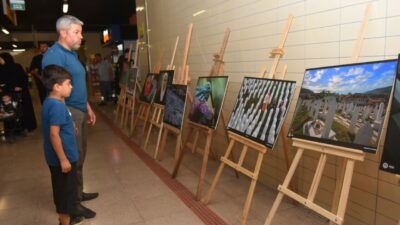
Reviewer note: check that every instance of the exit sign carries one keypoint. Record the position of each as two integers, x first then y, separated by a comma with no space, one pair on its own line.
17,5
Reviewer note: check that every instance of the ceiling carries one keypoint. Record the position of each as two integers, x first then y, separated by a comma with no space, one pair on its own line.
41,15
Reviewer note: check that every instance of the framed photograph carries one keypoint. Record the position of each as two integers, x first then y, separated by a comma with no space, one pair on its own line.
208,100
390,161
175,100
261,108
344,105
165,79
130,79
149,88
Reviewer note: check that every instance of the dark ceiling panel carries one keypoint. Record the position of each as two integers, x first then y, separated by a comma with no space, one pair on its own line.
41,15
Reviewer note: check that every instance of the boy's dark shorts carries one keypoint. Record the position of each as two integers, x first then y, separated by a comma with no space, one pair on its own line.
64,188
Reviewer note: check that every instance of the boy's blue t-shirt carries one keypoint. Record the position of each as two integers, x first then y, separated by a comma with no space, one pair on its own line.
55,112
58,55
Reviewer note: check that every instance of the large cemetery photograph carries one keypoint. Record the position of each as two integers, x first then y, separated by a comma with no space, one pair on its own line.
345,105
260,109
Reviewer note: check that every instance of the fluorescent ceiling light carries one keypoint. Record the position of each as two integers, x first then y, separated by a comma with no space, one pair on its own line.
14,45
139,8
5,30
19,50
65,7
199,12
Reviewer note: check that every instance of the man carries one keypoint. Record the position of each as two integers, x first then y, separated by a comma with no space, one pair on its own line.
62,53
36,70
104,70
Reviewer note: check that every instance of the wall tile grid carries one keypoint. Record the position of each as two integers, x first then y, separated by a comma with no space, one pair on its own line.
323,33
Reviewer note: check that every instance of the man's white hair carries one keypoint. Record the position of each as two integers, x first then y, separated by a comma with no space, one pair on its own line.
66,21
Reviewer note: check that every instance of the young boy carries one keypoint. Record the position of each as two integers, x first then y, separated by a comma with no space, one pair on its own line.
60,148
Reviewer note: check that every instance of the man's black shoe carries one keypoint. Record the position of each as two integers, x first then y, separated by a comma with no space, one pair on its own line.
89,196
82,211
76,220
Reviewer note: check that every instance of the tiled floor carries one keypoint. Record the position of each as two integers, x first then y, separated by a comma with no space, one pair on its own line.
131,192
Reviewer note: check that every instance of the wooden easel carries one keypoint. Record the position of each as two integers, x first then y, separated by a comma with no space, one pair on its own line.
120,103
181,77
130,99
217,69
247,143
347,157
158,110
122,98
143,114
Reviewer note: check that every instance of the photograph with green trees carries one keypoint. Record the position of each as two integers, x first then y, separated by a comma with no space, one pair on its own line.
344,105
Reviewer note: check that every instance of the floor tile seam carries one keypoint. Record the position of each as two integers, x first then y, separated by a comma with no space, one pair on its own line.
163,175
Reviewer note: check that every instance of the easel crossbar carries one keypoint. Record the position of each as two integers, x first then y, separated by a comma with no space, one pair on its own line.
310,204
252,144
239,168
348,153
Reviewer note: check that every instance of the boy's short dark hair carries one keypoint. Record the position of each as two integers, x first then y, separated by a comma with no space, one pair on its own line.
53,74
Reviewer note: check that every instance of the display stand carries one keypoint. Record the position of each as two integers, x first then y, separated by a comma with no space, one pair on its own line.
247,143
217,69
347,156
120,104
158,110
124,95
181,77
130,100
143,112
122,98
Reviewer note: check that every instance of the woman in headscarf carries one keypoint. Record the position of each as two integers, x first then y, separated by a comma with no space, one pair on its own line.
16,80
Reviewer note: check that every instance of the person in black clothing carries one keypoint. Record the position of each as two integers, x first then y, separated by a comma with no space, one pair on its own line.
122,59
15,80
36,70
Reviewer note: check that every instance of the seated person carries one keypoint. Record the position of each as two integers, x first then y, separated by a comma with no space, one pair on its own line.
8,106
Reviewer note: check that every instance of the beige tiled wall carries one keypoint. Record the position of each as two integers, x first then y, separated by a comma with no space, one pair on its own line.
323,33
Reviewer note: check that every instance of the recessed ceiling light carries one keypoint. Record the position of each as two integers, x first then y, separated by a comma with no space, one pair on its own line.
19,50
199,12
65,7
5,30
14,45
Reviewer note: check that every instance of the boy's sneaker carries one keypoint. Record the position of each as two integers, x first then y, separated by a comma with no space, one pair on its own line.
76,220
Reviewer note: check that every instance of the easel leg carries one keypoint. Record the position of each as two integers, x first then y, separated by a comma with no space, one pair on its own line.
158,139
348,175
182,152
219,172
249,198
162,147
145,120
178,147
196,138
123,114
203,169
148,135
338,186
285,184
247,204
132,117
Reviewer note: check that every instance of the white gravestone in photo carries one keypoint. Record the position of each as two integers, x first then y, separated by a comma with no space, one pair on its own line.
332,104
364,135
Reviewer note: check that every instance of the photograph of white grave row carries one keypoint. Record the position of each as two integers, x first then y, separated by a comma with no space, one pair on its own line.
260,109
